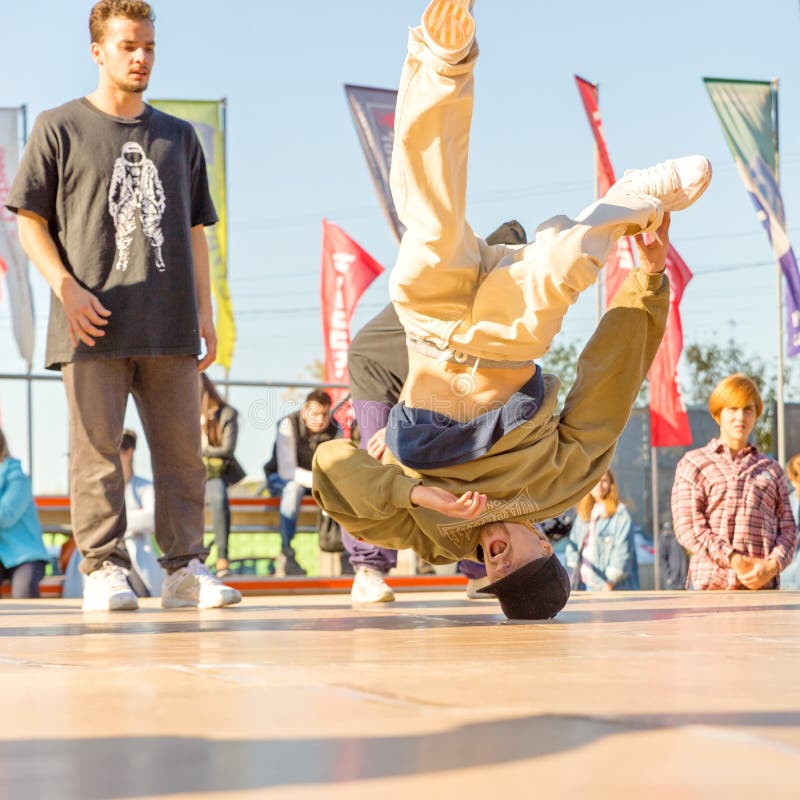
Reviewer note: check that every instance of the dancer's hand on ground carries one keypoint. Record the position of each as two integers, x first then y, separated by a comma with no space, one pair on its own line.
469,506
377,444
653,255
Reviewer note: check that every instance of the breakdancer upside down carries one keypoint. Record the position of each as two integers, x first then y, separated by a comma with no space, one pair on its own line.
475,453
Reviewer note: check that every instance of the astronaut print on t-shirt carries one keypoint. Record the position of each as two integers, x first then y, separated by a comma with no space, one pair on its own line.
136,193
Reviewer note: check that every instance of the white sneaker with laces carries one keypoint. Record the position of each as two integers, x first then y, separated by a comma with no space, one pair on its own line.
107,589
193,586
370,587
676,183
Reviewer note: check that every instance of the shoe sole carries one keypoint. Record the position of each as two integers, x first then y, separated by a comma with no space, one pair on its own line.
176,603
449,23
119,605
383,599
173,603
223,604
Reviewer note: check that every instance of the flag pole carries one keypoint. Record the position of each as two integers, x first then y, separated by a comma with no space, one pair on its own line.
600,277
224,104
654,490
24,115
780,418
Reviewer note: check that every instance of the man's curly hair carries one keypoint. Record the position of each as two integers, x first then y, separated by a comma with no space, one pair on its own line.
104,10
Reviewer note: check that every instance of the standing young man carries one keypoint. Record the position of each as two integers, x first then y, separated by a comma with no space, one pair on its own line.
288,472
730,503
112,198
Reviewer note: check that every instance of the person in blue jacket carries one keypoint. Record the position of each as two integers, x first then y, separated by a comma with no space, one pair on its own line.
790,577
23,557
600,550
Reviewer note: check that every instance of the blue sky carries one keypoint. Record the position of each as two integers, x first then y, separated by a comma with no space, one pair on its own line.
293,155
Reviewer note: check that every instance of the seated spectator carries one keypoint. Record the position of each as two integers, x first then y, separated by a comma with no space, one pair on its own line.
790,579
220,430
23,556
288,472
146,576
601,549
730,503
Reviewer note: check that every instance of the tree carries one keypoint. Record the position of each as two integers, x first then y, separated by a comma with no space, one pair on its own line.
709,363
562,360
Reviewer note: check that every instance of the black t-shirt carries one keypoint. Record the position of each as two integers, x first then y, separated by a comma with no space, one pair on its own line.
120,197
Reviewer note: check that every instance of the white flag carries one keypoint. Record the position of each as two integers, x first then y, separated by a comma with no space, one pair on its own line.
11,254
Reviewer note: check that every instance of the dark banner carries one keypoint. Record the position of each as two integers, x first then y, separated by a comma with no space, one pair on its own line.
373,116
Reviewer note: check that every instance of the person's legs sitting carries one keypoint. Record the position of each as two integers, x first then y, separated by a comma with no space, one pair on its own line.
291,499
25,579
216,497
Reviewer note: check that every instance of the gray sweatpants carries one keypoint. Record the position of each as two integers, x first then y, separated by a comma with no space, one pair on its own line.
166,390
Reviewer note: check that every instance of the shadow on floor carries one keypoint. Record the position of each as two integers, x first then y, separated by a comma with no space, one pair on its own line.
95,769
402,616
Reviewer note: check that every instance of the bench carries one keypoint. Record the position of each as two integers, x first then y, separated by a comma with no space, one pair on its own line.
257,515
253,515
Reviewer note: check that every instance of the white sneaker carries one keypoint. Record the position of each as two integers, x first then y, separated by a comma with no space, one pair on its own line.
193,586
370,587
676,183
474,586
107,589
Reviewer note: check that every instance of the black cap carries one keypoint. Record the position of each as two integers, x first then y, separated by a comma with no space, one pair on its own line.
537,590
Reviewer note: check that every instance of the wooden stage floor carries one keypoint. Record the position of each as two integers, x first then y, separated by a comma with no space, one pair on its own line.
668,695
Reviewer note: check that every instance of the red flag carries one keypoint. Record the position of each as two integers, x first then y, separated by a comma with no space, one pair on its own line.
669,422
347,270
620,262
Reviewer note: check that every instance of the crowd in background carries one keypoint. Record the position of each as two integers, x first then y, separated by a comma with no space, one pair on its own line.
735,513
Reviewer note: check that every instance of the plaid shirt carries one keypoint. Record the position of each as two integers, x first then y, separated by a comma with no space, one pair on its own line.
724,504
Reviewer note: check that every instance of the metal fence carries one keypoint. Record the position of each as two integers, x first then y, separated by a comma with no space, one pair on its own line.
35,421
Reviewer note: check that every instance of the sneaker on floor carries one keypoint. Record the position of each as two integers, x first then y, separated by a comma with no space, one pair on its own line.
107,589
448,26
193,586
474,586
288,565
370,587
676,183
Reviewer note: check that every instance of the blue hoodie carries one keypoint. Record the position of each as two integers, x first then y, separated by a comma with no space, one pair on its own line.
20,531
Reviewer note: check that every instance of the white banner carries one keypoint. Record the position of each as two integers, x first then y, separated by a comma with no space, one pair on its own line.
11,253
